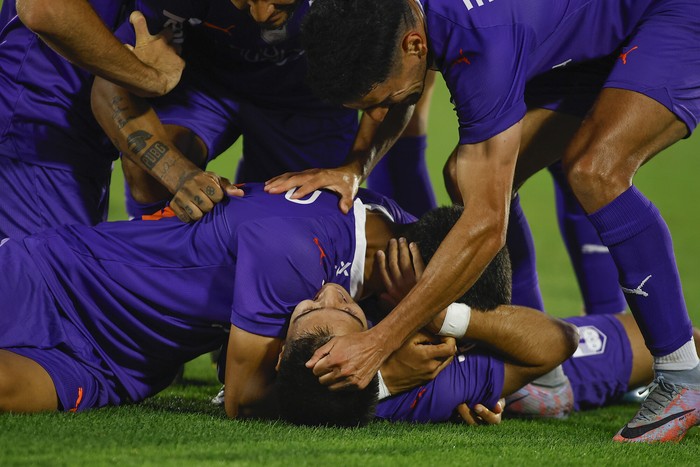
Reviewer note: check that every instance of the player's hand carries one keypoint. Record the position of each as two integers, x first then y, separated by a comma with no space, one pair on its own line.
399,268
417,362
159,53
348,362
480,415
340,180
197,194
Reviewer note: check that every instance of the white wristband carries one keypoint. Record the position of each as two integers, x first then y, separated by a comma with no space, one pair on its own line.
383,389
456,320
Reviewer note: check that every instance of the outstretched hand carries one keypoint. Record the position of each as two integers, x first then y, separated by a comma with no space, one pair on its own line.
158,52
340,180
198,192
348,362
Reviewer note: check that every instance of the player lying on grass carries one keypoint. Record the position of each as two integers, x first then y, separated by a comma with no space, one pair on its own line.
104,315
610,359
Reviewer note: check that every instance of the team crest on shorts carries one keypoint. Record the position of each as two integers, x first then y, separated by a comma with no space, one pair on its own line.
591,342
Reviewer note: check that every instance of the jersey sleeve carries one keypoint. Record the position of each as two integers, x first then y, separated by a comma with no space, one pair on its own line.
485,70
275,270
472,378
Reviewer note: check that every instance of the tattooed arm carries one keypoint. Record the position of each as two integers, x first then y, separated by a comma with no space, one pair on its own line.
135,129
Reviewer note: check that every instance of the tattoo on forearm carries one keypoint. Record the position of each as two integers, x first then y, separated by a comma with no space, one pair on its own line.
154,154
118,113
136,141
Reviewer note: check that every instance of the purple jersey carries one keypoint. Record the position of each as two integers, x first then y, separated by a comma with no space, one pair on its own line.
262,66
151,295
488,50
598,371
45,115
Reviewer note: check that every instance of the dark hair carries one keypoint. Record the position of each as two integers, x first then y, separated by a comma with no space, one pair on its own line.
305,401
351,45
493,287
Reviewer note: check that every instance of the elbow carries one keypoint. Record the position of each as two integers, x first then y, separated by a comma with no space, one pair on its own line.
571,338
41,16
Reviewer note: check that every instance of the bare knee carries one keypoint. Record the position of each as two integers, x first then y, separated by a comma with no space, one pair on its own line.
597,174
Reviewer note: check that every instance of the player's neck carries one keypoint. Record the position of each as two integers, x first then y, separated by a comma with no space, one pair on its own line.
378,231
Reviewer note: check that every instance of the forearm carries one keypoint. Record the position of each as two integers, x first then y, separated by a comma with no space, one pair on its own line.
456,265
75,31
375,138
135,129
524,336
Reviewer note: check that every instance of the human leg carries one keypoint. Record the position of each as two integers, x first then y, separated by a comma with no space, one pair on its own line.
24,385
595,270
600,165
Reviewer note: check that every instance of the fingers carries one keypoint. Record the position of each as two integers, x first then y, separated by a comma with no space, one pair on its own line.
140,27
197,196
321,352
418,264
466,415
441,351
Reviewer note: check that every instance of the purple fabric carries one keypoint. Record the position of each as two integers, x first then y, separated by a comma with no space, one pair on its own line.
640,244
143,297
501,45
403,176
595,269
526,287
600,369
34,198
473,378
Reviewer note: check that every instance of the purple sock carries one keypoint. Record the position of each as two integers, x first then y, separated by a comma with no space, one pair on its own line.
595,269
135,209
640,243
402,175
526,288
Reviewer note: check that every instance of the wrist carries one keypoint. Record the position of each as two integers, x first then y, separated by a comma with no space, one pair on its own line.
456,321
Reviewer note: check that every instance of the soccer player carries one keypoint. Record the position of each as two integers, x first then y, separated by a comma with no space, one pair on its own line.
245,77
55,162
89,320
520,72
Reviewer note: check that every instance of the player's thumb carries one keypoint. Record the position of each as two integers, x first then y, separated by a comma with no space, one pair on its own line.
345,204
138,21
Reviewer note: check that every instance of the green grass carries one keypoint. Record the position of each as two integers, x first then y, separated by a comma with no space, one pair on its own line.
179,427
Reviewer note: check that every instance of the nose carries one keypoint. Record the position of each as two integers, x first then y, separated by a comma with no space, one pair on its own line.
377,113
330,295
261,11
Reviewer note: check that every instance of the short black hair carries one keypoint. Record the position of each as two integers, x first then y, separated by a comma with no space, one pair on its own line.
351,45
493,288
305,401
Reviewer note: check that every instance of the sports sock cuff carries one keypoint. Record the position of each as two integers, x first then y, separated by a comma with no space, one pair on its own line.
624,217
685,358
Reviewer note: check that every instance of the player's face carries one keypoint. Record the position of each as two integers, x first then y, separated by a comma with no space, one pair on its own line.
269,14
404,86
332,307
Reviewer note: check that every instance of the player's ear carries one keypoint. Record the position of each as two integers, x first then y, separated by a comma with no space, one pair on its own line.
279,359
414,44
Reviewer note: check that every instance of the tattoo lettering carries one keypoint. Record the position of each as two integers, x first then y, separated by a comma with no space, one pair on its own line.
189,211
153,154
210,191
117,113
136,141
198,200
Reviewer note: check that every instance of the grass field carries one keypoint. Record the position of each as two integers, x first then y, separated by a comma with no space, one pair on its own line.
180,427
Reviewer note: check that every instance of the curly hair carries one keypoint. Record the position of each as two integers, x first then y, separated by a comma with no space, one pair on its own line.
351,45
305,401
493,288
